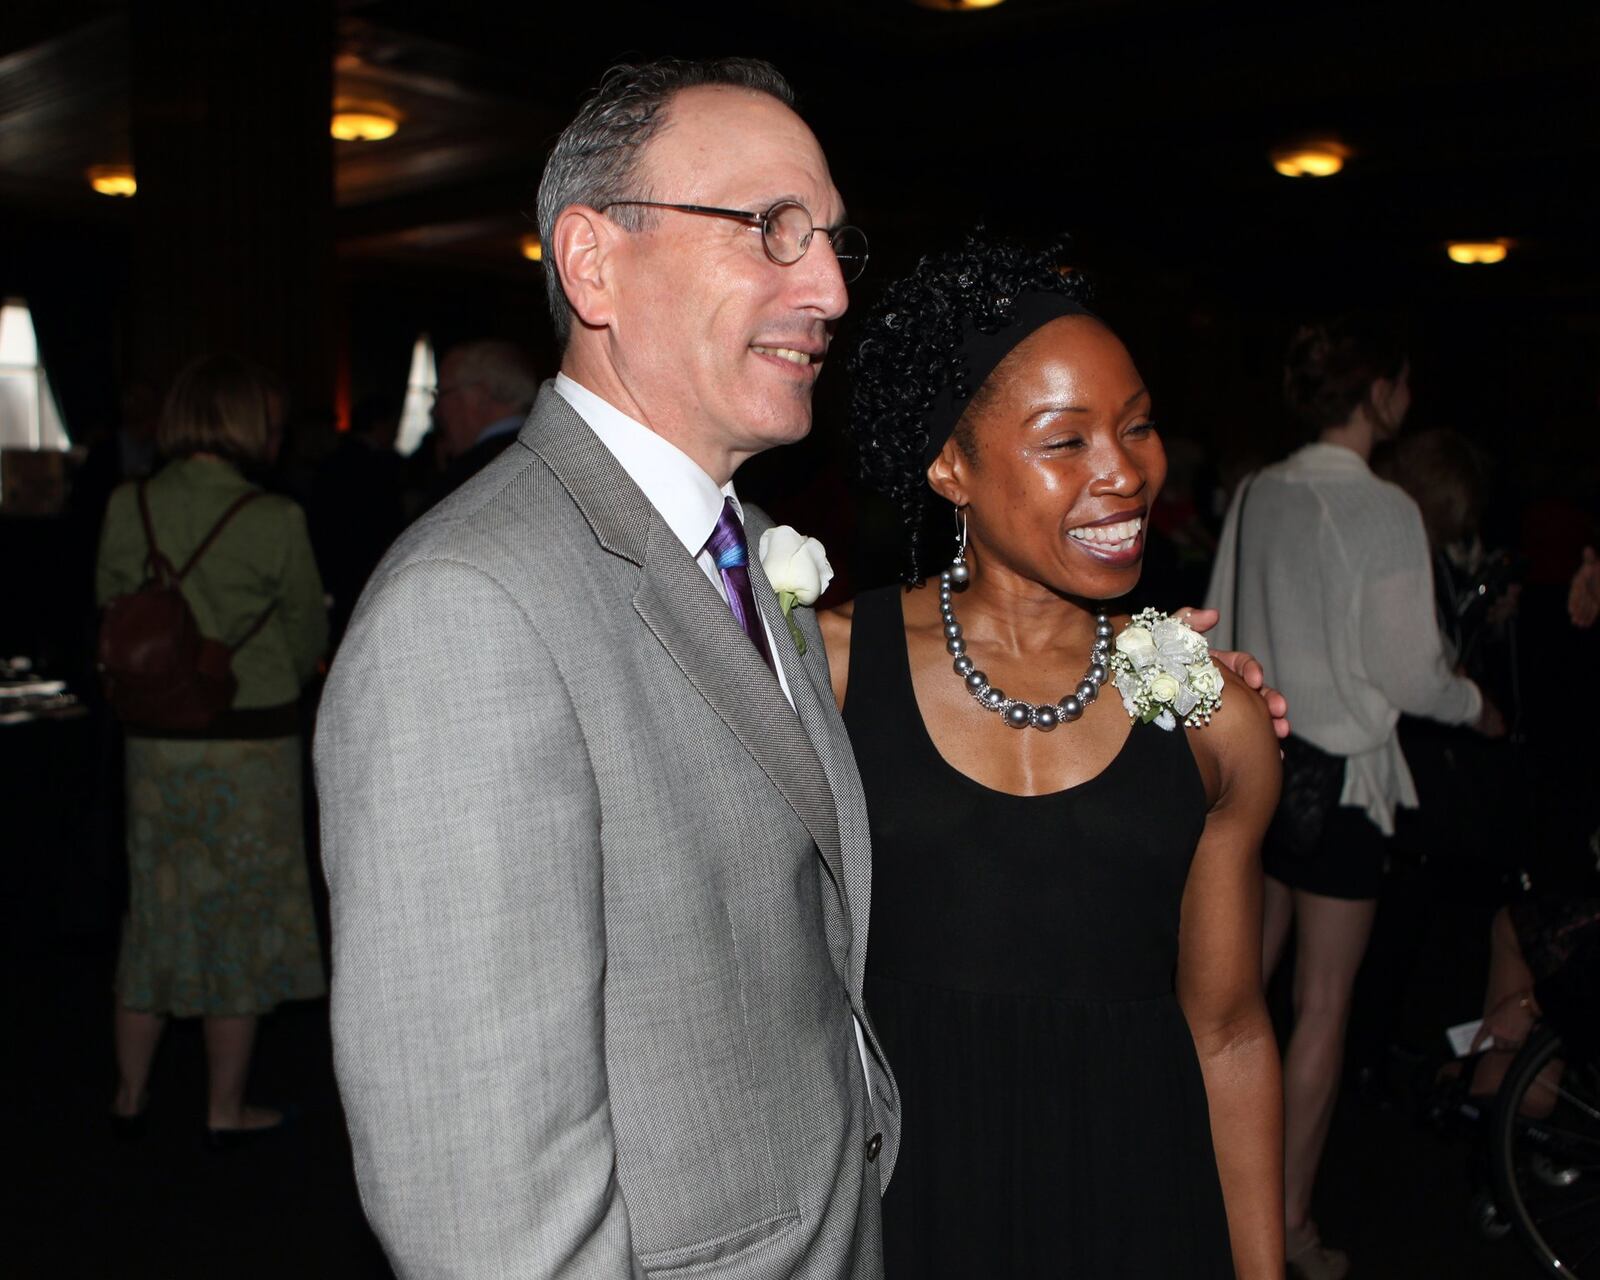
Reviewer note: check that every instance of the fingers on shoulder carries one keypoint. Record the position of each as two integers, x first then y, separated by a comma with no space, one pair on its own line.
1244,724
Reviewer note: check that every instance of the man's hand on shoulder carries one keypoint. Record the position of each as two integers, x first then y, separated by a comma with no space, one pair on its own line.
1244,666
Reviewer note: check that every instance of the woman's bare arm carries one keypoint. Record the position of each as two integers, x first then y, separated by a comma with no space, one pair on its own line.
835,624
1219,977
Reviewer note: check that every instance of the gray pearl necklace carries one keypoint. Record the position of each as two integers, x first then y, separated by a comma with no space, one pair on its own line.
1016,713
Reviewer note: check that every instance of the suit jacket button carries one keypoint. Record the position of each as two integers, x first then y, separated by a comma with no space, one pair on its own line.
874,1145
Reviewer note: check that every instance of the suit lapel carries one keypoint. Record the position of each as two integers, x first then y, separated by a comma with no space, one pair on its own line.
812,690
691,621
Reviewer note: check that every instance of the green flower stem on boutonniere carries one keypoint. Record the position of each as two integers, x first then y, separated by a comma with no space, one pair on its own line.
787,601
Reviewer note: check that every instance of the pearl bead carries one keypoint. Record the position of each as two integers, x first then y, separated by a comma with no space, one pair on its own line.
959,573
944,579
1020,715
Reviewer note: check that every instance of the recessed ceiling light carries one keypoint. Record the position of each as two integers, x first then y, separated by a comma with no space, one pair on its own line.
532,247
363,122
1310,159
113,179
1478,253
959,4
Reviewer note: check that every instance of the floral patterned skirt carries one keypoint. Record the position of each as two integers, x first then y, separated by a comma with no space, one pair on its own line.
219,912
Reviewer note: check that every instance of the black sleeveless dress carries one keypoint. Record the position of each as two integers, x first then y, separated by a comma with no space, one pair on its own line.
1020,968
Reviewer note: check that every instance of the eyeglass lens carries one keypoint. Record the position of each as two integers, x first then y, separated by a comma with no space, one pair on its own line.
787,231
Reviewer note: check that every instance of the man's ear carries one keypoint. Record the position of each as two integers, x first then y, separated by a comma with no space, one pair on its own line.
582,252
947,473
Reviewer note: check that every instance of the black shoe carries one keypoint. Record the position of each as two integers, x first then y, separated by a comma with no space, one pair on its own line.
232,1139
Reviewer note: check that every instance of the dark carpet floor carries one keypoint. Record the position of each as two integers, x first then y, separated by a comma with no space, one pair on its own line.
1394,1191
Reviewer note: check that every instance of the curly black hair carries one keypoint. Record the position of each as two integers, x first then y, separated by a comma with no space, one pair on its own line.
909,351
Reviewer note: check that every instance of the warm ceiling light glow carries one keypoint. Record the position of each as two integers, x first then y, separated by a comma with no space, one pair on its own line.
532,247
1310,159
1478,253
363,122
113,179
959,4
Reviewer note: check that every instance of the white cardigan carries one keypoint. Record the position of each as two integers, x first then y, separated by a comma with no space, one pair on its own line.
1335,597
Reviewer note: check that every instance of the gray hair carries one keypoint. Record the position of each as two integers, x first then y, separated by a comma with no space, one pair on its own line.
503,369
596,159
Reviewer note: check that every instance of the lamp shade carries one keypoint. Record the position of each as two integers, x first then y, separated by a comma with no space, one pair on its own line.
1478,253
113,179
1320,159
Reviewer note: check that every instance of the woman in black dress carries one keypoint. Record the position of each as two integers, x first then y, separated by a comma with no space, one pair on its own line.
1064,963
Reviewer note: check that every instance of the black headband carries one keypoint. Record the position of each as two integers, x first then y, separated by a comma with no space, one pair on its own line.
984,351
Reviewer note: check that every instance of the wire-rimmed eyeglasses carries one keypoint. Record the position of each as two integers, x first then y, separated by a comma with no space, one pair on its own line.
786,231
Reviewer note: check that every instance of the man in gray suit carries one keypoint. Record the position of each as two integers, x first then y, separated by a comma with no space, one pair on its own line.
595,840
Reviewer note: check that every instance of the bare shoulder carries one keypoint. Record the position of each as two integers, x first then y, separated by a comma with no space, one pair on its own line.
1238,751
835,624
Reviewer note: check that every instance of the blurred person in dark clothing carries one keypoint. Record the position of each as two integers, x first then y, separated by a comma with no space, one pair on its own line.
1179,544
1544,964
1455,853
485,391
357,503
1446,475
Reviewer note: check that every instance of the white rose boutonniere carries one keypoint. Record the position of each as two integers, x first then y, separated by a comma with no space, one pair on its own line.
798,569
1163,670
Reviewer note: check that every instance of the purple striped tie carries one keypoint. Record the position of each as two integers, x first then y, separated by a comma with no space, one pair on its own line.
732,554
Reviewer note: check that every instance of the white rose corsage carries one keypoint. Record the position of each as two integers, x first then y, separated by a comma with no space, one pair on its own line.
798,569
1163,669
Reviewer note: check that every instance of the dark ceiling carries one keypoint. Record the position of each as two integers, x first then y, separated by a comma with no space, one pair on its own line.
1142,127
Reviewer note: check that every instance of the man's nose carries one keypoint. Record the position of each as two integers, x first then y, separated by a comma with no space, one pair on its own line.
819,280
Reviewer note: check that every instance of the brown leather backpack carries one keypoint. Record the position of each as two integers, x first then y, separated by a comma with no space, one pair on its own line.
158,671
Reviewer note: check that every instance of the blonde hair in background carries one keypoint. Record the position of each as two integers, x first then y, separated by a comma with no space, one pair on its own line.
218,404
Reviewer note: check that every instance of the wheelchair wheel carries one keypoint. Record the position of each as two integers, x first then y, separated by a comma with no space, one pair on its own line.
1544,1146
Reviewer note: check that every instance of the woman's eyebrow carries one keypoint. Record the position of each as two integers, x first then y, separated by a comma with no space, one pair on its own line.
1127,404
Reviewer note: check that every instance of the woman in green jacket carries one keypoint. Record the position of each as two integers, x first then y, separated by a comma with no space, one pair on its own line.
220,923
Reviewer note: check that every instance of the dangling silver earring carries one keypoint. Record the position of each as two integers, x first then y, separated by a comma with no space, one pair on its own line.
959,574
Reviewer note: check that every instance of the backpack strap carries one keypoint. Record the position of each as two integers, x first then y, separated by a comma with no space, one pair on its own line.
243,500
156,564
159,562
254,630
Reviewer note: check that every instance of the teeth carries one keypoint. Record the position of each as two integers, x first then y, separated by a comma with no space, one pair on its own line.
1112,537
785,353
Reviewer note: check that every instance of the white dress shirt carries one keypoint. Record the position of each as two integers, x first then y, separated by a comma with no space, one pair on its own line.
684,495
1335,597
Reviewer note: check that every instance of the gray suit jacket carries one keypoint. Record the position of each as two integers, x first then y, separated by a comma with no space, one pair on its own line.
600,900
